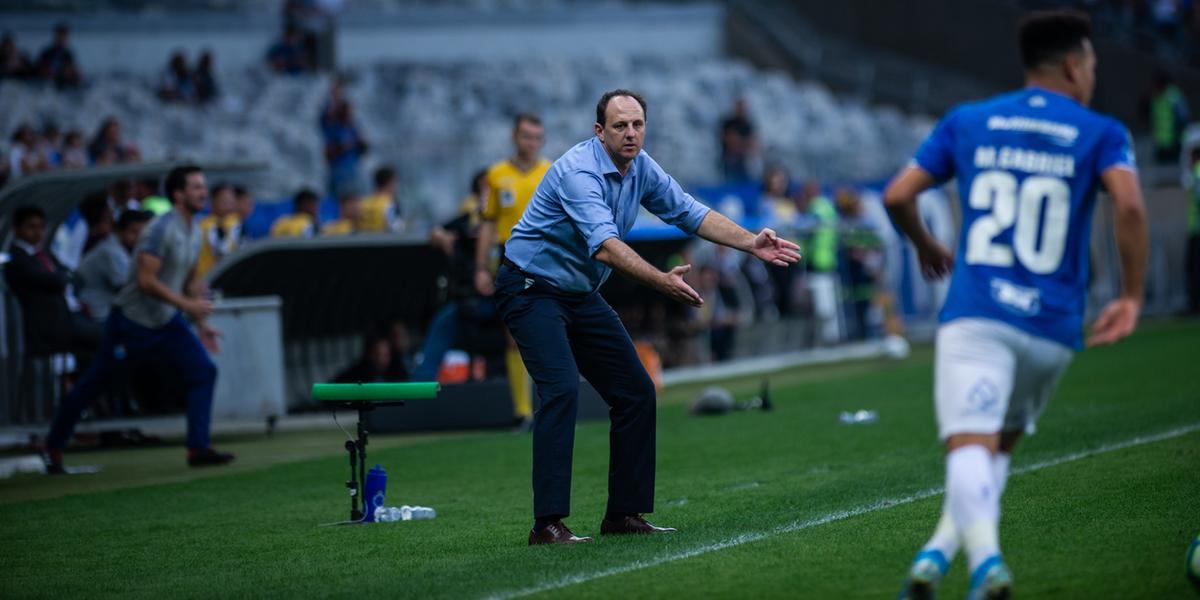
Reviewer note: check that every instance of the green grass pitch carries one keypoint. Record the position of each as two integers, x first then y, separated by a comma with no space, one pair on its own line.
1103,503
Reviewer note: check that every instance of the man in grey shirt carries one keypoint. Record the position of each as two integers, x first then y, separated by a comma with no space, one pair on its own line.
147,319
104,270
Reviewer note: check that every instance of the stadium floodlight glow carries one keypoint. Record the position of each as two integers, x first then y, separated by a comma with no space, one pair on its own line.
365,397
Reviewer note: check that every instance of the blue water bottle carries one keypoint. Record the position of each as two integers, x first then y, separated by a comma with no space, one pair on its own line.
375,492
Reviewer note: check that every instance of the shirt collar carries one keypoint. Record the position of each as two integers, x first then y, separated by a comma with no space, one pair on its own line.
1033,87
22,244
604,161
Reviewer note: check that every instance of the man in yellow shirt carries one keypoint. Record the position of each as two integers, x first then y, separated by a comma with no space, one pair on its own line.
511,184
349,216
219,230
303,220
379,211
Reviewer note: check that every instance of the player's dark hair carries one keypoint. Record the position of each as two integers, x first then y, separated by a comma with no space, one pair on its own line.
132,217
478,181
602,105
221,187
25,213
177,179
303,197
1046,37
526,117
384,176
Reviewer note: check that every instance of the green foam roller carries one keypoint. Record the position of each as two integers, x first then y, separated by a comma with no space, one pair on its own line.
374,392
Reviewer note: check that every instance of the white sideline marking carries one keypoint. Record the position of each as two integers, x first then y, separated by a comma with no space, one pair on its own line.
878,505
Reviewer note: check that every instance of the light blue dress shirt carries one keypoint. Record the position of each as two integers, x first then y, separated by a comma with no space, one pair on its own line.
582,201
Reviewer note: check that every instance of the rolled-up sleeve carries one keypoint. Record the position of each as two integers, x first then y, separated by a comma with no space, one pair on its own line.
674,206
583,200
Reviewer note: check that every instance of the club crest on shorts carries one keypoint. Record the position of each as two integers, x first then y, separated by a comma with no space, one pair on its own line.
984,396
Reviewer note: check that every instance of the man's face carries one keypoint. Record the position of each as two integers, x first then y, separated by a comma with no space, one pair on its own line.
528,139
32,231
351,209
129,236
309,207
245,205
380,355
223,202
624,128
195,192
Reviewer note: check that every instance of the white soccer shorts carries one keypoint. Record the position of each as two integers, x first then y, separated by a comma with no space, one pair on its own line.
991,377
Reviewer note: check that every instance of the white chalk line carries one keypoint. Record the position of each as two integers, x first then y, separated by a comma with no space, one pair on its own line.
878,505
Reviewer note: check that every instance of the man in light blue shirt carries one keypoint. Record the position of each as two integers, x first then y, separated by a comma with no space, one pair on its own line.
565,246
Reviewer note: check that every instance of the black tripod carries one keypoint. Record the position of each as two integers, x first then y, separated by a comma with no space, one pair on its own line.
357,448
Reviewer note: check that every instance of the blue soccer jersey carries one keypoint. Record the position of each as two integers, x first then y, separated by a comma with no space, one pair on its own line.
1028,165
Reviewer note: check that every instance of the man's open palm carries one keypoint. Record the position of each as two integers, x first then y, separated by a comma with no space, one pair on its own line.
771,248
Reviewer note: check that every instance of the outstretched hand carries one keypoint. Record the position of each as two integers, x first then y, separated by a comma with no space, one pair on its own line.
677,289
771,248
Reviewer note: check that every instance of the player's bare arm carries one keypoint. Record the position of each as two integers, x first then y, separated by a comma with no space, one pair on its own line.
1119,318
900,198
618,255
483,247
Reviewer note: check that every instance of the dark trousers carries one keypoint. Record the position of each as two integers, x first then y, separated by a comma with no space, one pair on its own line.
126,342
1193,272
562,336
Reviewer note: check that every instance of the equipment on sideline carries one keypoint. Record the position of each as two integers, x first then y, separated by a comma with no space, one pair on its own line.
364,397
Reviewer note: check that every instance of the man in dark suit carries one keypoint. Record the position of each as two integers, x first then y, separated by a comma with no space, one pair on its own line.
39,283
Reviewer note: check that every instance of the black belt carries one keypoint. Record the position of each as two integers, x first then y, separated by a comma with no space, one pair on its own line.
511,264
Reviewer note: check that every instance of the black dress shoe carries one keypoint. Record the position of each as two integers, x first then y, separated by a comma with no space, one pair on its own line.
209,458
631,524
555,533
53,462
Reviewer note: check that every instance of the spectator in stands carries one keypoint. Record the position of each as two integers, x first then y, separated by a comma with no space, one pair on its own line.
219,230
465,309
719,314
56,62
120,195
147,321
49,146
176,83
105,269
349,214
203,80
401,342
97,212
74,153
108,148
344,147
24,158
288,55
1168,116
864,261
376,365
337,97
776,199
303,220
40,283
738,143
14,64
819,217
244,201
379,210
145,192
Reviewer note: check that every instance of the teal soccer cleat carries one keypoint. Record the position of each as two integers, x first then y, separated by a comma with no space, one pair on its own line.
990,581
928,568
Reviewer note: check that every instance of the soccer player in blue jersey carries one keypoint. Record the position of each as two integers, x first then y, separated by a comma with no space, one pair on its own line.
1028,165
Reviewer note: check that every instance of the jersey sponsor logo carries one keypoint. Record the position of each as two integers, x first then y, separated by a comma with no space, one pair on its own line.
1060,133
1017,299
507,198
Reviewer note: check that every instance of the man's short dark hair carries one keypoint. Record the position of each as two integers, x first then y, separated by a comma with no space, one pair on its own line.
177,179
131,217
303,197
602,105
25,213
1046,37
384,176
526,117
93,207
240,190
221,187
